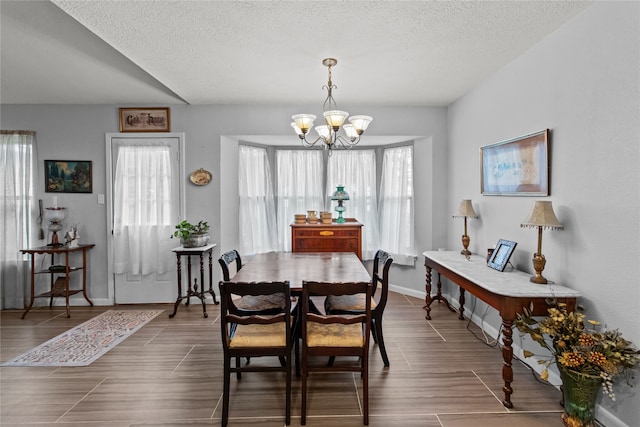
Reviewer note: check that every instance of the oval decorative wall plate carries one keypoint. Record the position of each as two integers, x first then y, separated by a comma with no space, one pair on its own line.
200,177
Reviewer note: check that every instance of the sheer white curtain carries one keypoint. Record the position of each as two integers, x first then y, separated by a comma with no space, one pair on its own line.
299,189
18,172
257,209
356,170
143,210
396,205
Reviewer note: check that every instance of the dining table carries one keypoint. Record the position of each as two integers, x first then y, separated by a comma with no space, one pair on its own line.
298,267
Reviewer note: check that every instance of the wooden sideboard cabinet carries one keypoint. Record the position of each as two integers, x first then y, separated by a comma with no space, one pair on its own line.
334,237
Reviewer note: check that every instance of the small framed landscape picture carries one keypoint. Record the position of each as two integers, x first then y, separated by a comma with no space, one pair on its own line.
145,119
68,176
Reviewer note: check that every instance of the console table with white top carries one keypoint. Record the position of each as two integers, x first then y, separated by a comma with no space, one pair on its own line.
508,292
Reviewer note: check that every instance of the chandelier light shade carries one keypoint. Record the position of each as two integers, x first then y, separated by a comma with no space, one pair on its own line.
323,131
302,122
540,217
334,119
465,210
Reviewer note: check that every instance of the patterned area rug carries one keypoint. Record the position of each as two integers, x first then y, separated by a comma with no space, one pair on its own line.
85,343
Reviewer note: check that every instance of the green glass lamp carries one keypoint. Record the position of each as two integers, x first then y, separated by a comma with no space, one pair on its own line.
340,195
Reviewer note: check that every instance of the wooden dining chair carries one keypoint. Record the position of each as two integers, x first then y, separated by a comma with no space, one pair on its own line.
226,260
354,304
250,304
335,335
255,335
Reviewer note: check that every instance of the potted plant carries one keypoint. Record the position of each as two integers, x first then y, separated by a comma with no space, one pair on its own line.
192,235
587,358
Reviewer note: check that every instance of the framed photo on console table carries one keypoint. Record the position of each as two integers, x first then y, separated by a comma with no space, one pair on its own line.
144,119
501,254
517,167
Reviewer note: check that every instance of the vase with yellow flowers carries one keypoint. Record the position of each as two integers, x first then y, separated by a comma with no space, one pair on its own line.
588,358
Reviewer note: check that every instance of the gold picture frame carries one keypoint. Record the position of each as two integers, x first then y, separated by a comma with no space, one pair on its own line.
144,119
517,167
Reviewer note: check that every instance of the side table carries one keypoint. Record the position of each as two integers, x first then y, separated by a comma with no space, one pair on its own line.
59,288
192,290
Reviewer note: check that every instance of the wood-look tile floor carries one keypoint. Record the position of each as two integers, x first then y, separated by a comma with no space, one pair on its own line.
169,373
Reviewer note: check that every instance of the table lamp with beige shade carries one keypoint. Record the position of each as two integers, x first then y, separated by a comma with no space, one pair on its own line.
541,216
465,210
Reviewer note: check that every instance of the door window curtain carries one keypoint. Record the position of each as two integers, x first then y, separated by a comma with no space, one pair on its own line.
298,189
396,205
143,210
257,208
356,170
18,173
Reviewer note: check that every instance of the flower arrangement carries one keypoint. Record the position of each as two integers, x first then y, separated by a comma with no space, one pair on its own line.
580,348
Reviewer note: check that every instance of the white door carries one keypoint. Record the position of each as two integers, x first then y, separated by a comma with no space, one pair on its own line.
142,215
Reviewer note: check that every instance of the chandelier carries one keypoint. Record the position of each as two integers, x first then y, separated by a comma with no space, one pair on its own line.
334,118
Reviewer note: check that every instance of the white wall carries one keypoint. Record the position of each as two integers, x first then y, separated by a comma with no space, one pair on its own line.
77,132
582,82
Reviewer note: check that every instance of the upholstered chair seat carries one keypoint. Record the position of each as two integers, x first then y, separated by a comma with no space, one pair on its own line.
334,335
262,303
349,303
271,335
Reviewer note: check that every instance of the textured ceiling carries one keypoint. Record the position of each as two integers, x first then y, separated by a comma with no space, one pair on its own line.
262,52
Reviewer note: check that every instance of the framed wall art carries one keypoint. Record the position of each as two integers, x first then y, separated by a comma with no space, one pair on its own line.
145,119
517,167
68,176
